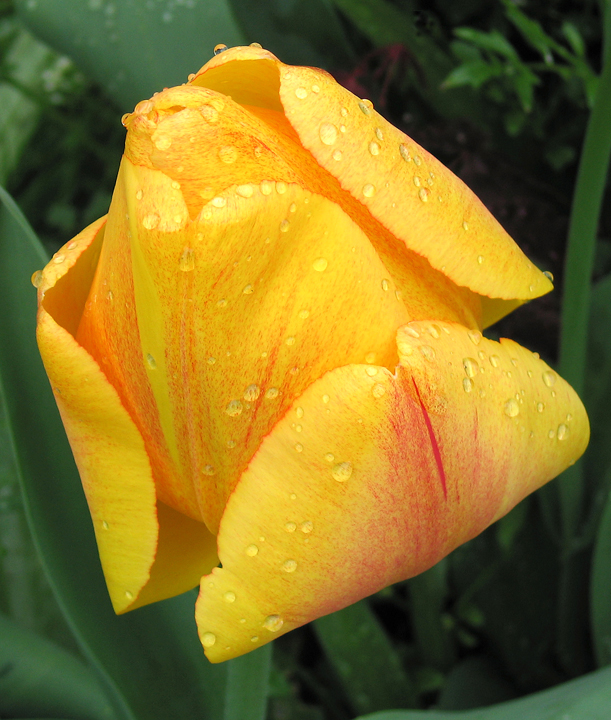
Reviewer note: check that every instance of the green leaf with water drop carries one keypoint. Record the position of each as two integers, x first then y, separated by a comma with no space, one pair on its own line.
587,698
150,662
134,49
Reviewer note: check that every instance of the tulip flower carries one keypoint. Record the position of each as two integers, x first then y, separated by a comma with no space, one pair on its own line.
269,361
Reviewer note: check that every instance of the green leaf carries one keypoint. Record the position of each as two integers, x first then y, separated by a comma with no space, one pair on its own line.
492,41
364,659
574,38
39,677
134,49
150,661
587,698
532,31
299,32
600,591
474,73
248,685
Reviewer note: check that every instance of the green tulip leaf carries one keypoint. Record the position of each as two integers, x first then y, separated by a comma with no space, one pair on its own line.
587,698
364,659
39,677
600,593
134,49
150,662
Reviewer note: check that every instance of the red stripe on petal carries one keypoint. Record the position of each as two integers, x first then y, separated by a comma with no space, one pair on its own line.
434,444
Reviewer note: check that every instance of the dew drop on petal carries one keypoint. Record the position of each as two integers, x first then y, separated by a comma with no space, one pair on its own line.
327,133
301,93
248,290
549,378
337,154
342,471
371,371
272,393
563,432
475,336
495,360
252,550
251,393
266,187
540,407
374,148
244,191
36,278
234,408
467,384
320,264
187,260
378,390
151,221
221,47
289,566
290,527
511,408
404,152
273,623
150,361
208,470
229,596
368,190
471,367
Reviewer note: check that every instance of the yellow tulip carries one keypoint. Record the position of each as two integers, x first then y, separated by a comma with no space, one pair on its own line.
269,354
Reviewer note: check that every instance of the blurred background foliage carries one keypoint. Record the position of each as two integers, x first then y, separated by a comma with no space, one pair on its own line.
500,91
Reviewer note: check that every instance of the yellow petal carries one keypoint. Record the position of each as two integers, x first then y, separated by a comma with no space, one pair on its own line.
394,472
231,332
139,566
405,188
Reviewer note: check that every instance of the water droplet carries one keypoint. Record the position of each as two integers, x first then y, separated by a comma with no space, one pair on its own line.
234,408
364,108
562,432
471,367
337,154
475,336
368,190
299,412
208,470
550,277
412,331
211,360
231,444
272,393
371,371
551,434
229,596
480,259
290,341
374,148
303,314
285,226
36,278
219,48
256,45
378,390
280,188
254,638
273,623
252,550
139,194
569,417
218,202
222,303
244,191
187,260
150,360
320,264
465,225
511,408
467,384
162,142
151,221
251,393
293,496
327,133
325,399
315,88
404,152
433,331
549,378
266,187
301,93
423,194
370,357
540,407
330,457
427,352
105,525
342,471
129,595
299,447
495,360
417,160
289,566
290,527
248,290
385,285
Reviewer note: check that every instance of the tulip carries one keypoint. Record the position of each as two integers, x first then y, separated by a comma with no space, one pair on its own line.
269,362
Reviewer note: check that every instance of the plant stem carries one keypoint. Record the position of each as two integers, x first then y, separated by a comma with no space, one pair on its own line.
248,685
585,213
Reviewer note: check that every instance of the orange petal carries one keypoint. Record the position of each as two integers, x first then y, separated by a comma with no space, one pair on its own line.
109,451
387,474
405,188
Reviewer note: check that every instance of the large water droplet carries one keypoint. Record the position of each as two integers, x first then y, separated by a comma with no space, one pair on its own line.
467,384
365,106
221,47
342,471
150,221
218,202
244,191
320,264
251,393
234,408
327,133
562,432
36,278
368,190
273,623
471,367
374,148
301,93
289,566
252,550
495,360
549,378
511,408
404,152
208,639
475,336
229,596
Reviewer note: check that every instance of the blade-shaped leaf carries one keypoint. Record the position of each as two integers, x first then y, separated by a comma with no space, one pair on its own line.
151,660
134,49
587,698
39,677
